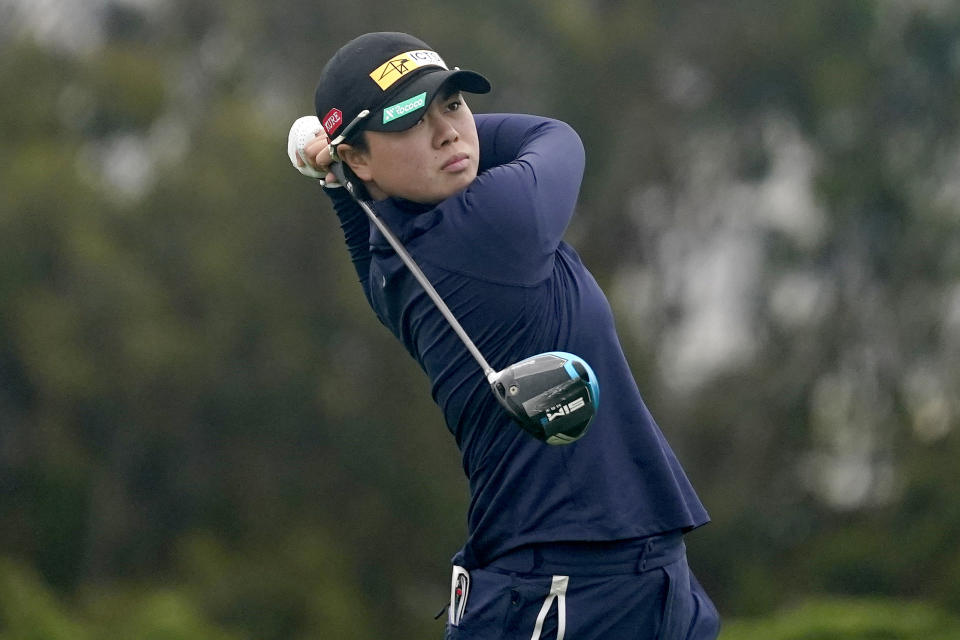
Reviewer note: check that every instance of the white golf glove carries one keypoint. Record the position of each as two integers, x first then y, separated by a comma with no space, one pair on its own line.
304,130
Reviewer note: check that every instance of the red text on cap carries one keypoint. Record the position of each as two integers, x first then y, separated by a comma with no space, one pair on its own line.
332,121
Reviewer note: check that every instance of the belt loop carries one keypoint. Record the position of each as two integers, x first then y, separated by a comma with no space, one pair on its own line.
645,551
536,557
522,560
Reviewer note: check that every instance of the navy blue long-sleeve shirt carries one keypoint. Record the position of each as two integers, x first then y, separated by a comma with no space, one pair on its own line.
495,254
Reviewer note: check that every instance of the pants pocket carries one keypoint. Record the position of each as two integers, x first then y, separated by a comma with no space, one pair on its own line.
706,619
688,613
677,605
479,602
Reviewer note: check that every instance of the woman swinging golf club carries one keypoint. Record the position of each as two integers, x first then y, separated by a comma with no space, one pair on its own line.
583,540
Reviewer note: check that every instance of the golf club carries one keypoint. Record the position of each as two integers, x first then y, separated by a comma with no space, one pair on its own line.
553,396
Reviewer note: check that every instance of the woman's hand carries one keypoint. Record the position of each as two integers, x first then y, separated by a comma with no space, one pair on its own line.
309,150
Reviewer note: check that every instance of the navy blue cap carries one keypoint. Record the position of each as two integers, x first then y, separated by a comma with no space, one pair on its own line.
393,75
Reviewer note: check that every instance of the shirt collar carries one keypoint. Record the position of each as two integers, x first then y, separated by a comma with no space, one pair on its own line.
406,220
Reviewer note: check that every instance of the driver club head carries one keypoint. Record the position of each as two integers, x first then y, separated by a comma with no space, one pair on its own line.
553,396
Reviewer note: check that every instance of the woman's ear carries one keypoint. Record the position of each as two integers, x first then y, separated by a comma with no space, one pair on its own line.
357,161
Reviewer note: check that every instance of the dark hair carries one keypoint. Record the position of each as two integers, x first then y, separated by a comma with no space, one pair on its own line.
358,141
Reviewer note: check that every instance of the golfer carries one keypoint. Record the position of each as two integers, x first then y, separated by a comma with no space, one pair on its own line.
581,541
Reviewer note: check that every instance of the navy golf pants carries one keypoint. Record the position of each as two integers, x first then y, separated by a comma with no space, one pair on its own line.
636,590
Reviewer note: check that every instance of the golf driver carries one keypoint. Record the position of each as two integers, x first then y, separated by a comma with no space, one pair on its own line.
553,396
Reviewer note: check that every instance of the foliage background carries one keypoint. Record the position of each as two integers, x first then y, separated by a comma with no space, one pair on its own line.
202,433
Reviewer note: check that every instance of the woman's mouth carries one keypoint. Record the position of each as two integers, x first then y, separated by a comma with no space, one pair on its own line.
458,162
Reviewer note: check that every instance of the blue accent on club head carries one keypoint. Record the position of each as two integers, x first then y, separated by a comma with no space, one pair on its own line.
568,366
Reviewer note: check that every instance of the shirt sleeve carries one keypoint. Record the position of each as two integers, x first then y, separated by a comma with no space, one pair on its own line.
509,222
356,233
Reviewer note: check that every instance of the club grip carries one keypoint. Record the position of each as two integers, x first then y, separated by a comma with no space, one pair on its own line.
336,168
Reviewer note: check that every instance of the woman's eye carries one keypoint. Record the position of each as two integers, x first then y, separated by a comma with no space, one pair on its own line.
453,105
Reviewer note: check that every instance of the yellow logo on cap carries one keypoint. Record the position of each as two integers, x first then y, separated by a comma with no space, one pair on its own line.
400,65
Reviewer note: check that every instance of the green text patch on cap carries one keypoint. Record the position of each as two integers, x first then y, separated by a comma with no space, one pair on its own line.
403,108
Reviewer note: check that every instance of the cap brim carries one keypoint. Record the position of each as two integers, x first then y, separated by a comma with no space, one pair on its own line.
409,105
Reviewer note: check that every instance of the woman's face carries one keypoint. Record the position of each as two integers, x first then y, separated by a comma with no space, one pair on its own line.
427,163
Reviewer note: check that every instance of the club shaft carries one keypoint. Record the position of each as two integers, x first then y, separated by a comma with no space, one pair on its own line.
414,268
